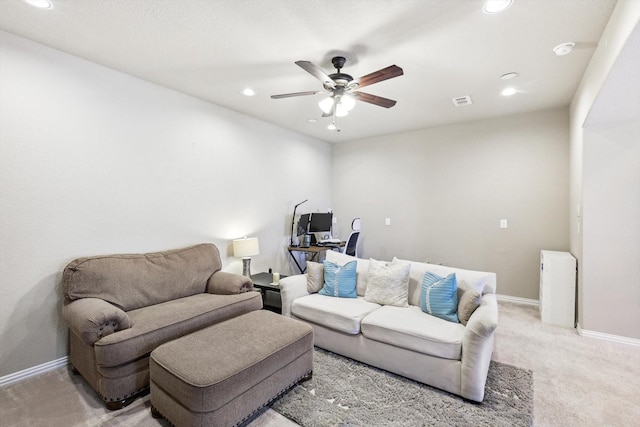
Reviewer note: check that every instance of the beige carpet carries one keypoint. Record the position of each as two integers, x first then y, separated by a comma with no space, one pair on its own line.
577,382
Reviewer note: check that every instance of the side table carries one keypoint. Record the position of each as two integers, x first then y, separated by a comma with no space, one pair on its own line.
270,292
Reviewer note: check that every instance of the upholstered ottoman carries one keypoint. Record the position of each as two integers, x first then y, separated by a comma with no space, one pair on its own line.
221,375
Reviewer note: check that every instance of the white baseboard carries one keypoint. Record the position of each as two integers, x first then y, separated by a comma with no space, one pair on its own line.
607,337
30,372
518,300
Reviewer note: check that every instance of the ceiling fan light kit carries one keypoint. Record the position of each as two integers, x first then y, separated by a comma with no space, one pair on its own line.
343,90
326,105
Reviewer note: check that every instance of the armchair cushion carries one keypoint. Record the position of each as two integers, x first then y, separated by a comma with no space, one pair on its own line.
157,324
92,319
138,280
223,283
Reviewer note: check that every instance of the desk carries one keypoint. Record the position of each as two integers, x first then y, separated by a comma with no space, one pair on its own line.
313,250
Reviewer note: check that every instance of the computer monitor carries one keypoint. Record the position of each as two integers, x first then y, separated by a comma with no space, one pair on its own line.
320,223
303,224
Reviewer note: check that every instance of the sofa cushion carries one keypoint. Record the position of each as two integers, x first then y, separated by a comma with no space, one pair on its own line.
340,314
362,270
157,324
138,280
339,280
412,329
388,283
439,296
481,281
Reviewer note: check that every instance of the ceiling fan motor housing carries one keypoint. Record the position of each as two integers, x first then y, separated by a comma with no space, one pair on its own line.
341,79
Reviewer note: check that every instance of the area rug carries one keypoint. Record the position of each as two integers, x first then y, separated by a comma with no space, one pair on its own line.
344,392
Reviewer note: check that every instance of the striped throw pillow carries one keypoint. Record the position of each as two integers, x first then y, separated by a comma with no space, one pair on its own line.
439,296
339,280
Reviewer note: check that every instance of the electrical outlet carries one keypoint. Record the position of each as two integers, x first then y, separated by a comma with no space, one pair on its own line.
387,221
503,223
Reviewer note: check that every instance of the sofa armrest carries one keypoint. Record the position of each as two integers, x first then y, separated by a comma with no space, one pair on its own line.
93,318
292,287
477,347
223,283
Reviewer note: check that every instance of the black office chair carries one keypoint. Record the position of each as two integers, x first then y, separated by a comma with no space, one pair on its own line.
351,248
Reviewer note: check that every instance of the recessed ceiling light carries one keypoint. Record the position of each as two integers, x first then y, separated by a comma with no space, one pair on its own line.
312,120
509,76
496,6
248,92
508,91
564,48
41,4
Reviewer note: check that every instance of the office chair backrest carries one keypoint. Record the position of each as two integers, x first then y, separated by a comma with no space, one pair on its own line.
351,248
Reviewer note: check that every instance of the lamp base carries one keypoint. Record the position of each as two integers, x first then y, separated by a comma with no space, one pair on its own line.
246,267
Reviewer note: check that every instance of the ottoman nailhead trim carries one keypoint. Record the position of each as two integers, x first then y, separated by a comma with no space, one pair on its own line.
280,393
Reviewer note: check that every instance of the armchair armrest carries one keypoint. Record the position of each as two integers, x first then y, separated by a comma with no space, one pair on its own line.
223,283
292,287
92,318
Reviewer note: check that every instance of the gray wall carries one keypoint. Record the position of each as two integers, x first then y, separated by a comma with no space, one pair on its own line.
93,161
605,181
445,190
611,223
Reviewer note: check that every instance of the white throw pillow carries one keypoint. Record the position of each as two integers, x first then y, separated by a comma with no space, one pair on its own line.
388,283
468,300
315,276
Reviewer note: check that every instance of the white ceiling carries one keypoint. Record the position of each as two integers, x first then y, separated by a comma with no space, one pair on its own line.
213,49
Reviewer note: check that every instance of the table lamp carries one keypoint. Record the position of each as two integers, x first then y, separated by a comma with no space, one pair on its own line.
245,248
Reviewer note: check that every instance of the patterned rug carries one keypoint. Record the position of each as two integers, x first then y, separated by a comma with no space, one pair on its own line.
344,392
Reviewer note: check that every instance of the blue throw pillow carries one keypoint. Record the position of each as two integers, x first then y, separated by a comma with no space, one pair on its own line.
339,280
439,296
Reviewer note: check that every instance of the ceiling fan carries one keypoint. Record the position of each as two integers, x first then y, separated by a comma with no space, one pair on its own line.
343,90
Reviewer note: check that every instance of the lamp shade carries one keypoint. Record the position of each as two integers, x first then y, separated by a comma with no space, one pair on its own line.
246,247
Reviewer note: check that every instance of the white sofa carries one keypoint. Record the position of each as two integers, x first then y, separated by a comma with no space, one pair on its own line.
406,341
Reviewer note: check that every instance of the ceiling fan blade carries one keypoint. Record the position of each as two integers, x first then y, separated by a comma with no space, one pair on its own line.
316,72
377,76
374,99
289,95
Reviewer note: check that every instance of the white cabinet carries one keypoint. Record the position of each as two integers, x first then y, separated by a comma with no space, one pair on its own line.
557,288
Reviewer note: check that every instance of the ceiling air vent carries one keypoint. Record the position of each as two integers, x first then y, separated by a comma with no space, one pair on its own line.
461,101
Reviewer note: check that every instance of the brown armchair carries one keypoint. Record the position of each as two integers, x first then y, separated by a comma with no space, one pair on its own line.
119,308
